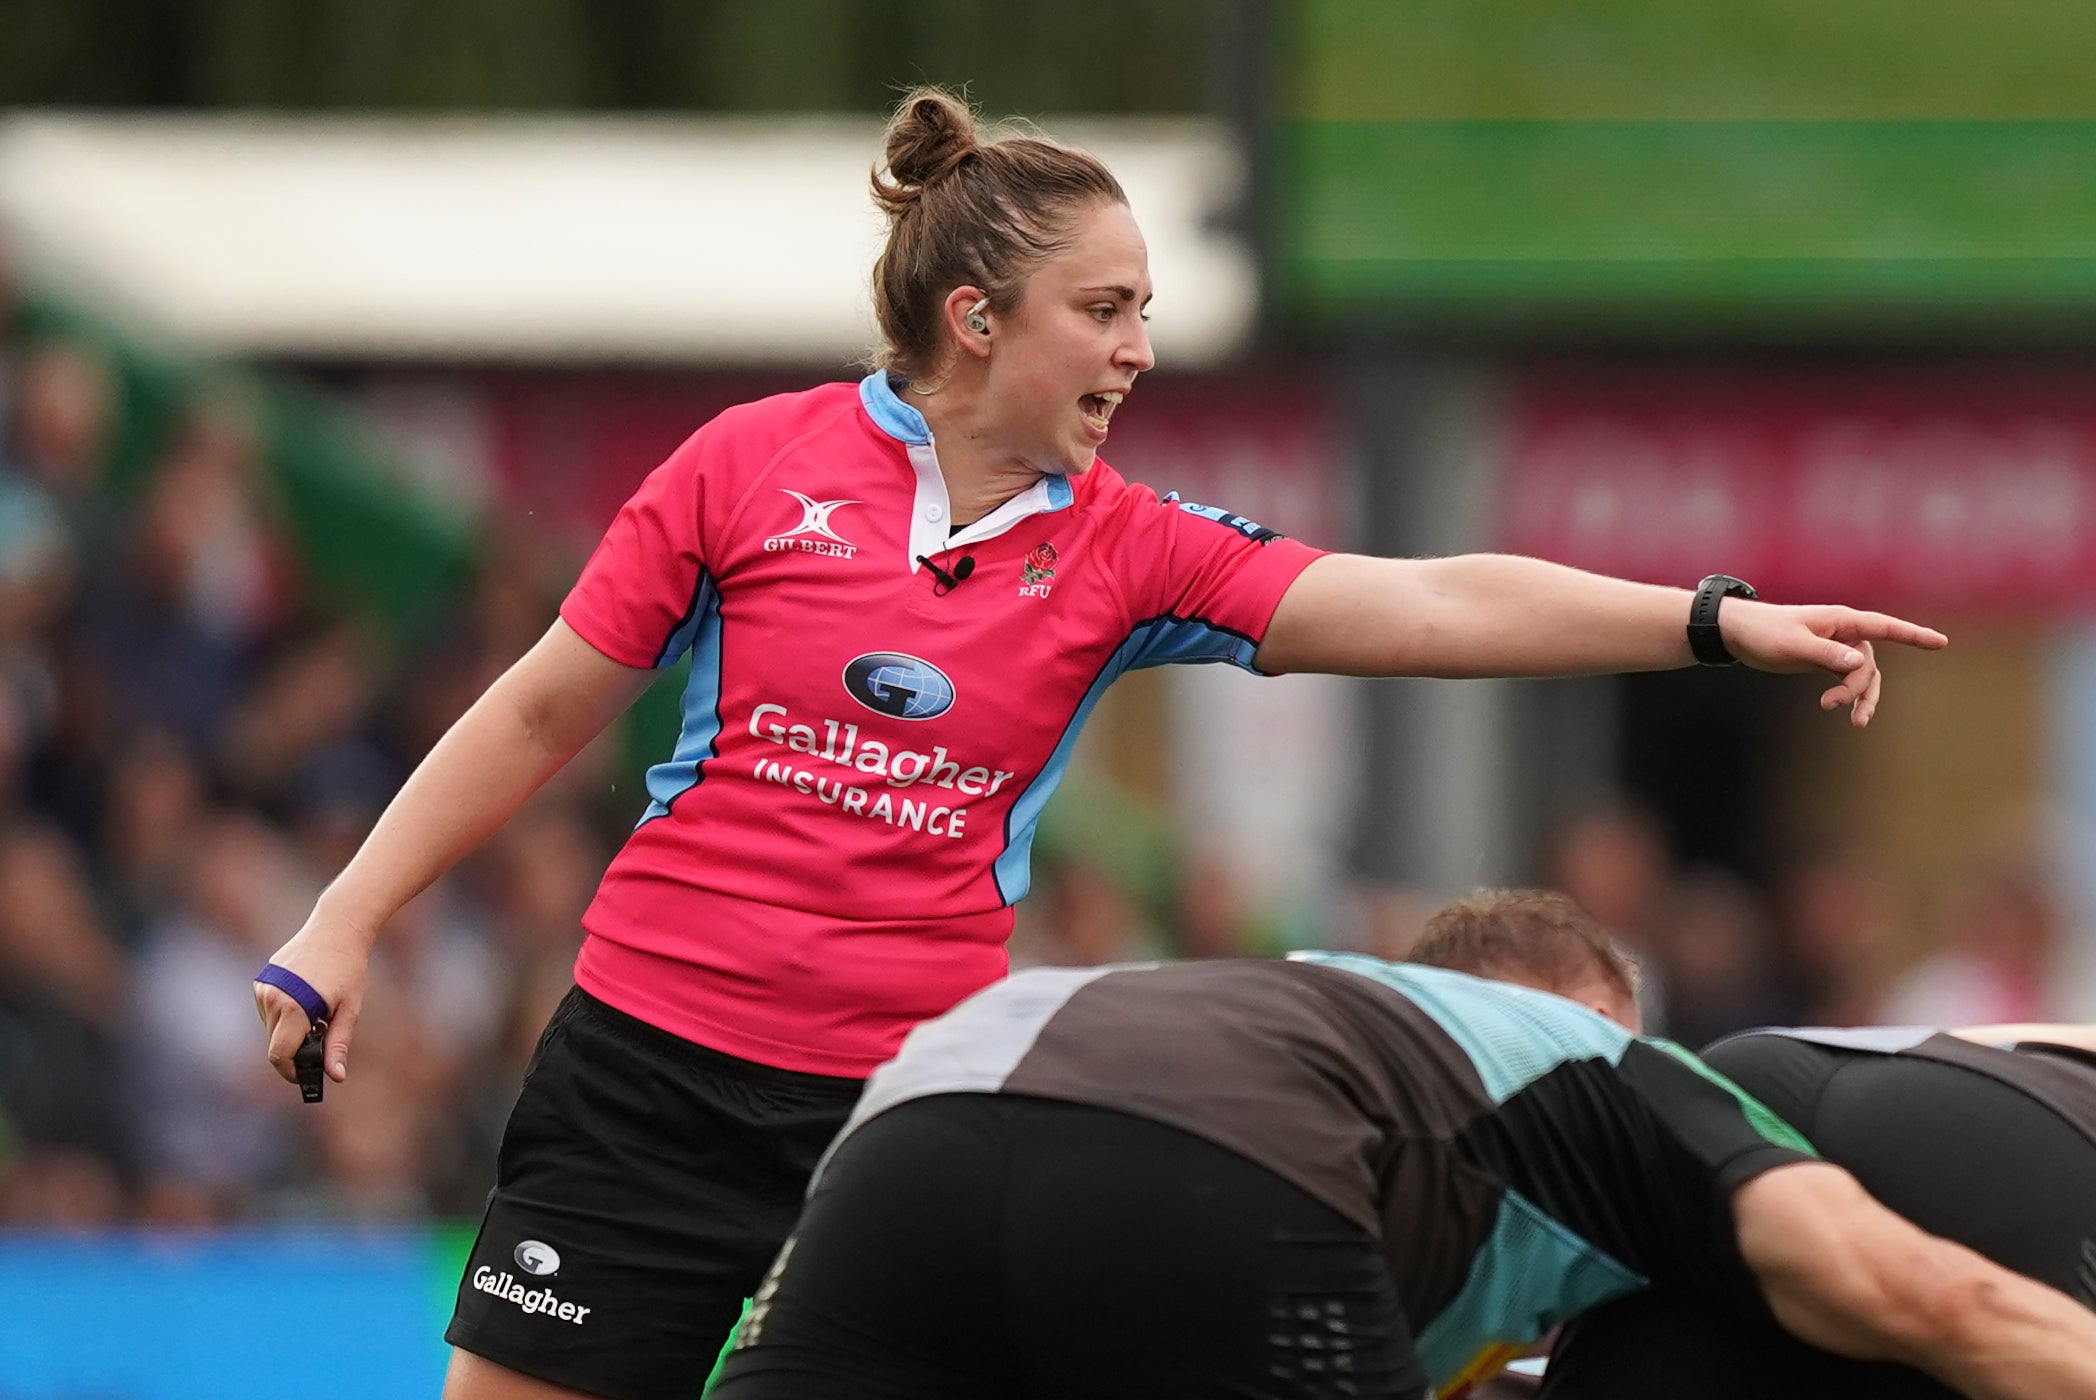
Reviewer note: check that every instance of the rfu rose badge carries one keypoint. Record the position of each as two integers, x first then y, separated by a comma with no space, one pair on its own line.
1039,566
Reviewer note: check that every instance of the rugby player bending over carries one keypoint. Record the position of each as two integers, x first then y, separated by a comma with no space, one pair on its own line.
1327,1177
1986,1136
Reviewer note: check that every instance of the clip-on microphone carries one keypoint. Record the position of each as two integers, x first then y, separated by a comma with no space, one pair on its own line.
948,582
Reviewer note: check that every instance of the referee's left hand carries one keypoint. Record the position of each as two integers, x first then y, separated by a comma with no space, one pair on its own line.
334,962
1772,637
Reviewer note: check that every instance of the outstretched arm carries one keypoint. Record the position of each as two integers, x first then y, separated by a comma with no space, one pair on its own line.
2081,1037
533,719
1846,1274
1503,615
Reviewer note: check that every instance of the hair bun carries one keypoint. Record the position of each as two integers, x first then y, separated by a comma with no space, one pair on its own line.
932,132
967,206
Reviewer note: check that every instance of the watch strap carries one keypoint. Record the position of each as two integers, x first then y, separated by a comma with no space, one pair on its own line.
1706,642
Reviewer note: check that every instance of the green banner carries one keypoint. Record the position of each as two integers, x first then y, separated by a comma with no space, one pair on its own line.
1686,60
1765,166
1829,221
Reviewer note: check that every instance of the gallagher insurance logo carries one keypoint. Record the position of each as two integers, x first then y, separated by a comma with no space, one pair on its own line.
902,687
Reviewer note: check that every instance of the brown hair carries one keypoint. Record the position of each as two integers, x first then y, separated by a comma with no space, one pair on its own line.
965,209
1536,937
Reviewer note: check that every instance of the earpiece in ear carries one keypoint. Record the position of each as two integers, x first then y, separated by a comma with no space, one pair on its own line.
974,320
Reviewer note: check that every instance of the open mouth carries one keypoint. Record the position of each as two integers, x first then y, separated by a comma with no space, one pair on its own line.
1098,408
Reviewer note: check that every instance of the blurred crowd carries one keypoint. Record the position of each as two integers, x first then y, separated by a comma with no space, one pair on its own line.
191,744
1830,937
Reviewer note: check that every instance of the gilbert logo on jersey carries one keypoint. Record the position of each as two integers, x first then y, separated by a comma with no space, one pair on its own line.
814,534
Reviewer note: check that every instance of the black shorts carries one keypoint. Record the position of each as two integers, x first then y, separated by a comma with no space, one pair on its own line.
643,1186
990,1247
1959,1153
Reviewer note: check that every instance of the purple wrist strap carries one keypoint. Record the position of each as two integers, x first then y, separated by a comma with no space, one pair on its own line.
297,988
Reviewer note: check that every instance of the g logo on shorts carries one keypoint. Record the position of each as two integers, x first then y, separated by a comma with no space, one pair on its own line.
537,1257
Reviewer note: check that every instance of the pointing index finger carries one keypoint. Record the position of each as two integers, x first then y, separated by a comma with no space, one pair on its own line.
1881,627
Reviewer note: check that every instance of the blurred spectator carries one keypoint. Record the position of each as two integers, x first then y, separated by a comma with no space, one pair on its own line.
485,956
214,1136
64,415
537,876
36,573
40,556
1082,916
1109,883
62,1187
186,679
63,995
1715,945
304,716
218,519
1384,919
152,805
1214,917
205,577
514,592
36,557
333,799
446,966
375,1150
1997,939
1613,861
1841,936
7,347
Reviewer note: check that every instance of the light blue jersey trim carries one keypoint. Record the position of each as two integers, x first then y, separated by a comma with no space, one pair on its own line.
1530,1275
668,781
907,426
1513,1035
890,414
1153,643
679,641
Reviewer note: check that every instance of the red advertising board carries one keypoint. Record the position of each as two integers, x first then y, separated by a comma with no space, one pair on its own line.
1896,487
568,448
1271,450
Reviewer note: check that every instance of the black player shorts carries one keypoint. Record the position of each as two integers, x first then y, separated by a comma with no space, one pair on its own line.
995,1247
1961,1154
643,1185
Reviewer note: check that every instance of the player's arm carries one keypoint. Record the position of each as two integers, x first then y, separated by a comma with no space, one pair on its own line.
532,720
1503,615
1847,1275
2080,1037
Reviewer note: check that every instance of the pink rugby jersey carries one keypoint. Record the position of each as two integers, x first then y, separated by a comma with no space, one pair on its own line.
832,851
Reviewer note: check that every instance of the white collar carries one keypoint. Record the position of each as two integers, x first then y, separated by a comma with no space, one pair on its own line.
931,512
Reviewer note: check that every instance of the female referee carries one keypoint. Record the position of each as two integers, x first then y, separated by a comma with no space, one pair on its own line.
868,577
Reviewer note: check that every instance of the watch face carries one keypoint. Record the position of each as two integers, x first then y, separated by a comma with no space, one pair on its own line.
1733,587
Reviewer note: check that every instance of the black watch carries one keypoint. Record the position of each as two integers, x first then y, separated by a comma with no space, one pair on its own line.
1705,640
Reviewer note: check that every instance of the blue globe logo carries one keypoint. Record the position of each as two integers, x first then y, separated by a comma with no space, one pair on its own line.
899,686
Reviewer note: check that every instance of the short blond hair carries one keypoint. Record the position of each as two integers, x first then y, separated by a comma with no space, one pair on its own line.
1537,937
